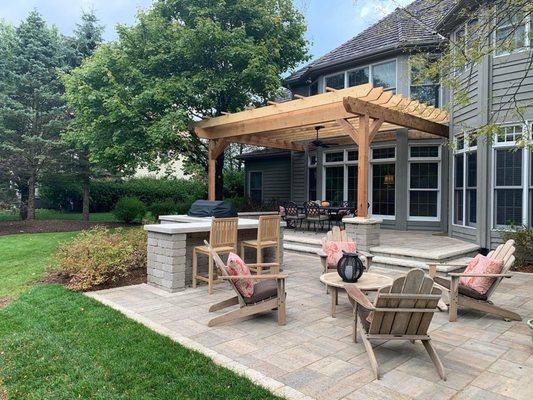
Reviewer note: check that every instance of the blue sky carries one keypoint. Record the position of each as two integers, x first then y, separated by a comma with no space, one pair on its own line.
330,22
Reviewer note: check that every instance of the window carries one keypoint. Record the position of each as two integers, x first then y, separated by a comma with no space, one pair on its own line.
358,76
312,176
256,186
512,179
352,184
313,88
512,33
383,181
335,81
425,90
424,182
385,75
465,181
334,157
465,41
335,184
340,176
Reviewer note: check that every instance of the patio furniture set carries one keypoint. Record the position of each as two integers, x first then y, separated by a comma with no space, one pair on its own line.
317,213
402,309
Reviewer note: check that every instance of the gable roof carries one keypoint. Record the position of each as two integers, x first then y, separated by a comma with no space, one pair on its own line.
413,25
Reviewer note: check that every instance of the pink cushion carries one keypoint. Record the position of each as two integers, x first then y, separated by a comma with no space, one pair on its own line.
334,251
481,265
237,267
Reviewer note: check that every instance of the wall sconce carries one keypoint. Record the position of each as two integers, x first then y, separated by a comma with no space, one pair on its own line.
389,180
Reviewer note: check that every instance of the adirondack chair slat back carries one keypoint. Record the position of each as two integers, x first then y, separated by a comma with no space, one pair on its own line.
268,228
336,235
223,232
503,252
422,295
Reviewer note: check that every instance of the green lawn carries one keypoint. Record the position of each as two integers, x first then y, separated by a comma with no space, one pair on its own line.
24,258
44,214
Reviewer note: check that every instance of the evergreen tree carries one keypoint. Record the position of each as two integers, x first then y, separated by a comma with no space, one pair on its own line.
32,110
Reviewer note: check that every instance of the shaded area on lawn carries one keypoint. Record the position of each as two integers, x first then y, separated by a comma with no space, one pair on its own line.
45,214
41,226
57,344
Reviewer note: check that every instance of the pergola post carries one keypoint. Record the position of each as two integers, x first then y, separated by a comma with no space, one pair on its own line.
362,168
215,148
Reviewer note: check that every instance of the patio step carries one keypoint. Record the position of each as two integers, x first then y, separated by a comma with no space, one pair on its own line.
440,255
300,248
301,243
403,264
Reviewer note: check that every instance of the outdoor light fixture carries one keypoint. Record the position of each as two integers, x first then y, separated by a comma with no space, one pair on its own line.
389,180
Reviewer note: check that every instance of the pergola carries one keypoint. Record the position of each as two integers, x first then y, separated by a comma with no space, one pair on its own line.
359,114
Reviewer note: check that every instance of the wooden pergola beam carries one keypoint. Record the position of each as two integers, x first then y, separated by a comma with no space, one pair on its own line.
266,142
360,107
215,149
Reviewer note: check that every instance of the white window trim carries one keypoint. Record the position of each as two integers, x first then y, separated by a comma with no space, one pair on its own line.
250,183
527,43
467,149
373,161
411,160
344,163
526,154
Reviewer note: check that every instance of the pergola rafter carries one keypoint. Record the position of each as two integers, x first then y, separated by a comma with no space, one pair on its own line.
362,113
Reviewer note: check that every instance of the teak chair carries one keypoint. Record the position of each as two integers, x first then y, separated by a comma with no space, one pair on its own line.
269,294
338,235
402,311
463,296
223,237
267,236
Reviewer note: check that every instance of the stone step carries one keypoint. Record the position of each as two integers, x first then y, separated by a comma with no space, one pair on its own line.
300,248
403,264
428,256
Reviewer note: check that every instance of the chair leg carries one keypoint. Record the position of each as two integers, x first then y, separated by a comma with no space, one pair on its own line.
282,317
210,278
242,251
194,268
454,299
435,358
370,351
259,255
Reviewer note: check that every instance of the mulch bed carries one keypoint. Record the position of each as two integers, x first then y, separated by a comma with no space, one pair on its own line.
4,301
135,277
526,268
41,226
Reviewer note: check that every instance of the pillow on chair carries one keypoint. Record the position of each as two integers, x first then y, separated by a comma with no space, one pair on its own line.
334,251
481,265
236,267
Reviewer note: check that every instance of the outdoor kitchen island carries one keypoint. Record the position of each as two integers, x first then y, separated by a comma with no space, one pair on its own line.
171,243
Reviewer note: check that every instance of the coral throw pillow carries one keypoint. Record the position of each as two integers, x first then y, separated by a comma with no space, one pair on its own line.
481,265
237,267
334,251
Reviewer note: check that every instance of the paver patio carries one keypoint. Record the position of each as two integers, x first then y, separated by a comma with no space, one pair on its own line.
314,356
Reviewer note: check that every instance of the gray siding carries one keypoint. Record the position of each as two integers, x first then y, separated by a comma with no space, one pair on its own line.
466,116
276,177
298,185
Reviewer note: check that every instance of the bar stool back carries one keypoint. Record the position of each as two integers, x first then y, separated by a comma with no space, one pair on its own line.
268,235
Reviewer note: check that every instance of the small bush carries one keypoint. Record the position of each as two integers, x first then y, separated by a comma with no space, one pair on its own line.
99,256
129,209
523,237
166,207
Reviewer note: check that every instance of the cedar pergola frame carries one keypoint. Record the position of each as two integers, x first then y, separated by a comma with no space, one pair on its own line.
360,113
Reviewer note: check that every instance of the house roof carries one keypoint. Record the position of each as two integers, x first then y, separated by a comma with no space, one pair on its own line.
414,25
260,153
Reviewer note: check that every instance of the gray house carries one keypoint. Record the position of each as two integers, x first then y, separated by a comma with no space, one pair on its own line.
471,190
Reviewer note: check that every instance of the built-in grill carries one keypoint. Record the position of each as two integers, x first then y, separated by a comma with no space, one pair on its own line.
217,209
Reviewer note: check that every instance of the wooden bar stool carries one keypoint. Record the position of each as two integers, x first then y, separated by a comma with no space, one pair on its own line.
223,239
267,236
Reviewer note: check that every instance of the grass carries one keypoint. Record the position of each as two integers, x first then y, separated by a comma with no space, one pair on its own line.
44,214
57,344
24,259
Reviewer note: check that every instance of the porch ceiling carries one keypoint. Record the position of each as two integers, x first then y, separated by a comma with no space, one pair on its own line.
290,125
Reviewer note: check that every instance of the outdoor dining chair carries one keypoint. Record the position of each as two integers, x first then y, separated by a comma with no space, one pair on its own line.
293,215
314,214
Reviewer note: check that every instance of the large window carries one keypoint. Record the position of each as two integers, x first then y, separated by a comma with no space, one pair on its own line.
340,176
335,81
383,181
424,89
512,179
465,181
335,184
312,177
512,33
359,76
256,186
385,75
466,38
424,182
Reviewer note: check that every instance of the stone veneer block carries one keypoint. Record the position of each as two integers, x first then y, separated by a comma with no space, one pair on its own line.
365,231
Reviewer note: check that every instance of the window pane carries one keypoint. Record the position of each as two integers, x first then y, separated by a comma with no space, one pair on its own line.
471,206
313,89
358,76
458,207
384,75
428,94
509,134
335,157
312,184
459,169
335,81
312,159
508,168
511,36
471,170
353,155
508,206
383,188
423,204
352,184
386,152
334,184
460,141
424,175
424,151
256,184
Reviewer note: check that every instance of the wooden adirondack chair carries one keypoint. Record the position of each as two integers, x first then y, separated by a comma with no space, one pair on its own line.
269,294
402,311
338,235
462,296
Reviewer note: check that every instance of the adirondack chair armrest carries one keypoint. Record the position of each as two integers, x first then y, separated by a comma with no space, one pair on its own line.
358,296
459,275
321,253
255,277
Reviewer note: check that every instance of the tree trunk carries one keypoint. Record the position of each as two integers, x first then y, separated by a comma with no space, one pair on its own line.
219,178
31,197
23,192
86,196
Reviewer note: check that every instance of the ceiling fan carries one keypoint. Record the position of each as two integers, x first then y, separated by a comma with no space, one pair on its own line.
317,142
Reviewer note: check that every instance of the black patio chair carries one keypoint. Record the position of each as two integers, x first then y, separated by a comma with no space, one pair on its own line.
314,214
293,215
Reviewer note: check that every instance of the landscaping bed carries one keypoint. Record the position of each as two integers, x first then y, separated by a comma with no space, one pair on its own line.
40,226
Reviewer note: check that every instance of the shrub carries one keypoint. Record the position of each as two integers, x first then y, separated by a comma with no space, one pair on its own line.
129,209
233,183
61,192
100,256
166,207
523,237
